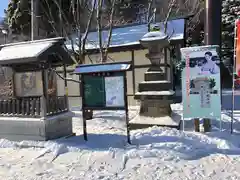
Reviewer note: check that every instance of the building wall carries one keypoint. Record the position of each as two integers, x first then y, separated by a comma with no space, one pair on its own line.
139,60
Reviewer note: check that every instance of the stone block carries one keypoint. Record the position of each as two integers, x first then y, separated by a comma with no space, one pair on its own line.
38,129
154,108
154,86
154,76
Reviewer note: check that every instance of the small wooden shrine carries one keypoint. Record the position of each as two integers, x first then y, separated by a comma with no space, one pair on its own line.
29,106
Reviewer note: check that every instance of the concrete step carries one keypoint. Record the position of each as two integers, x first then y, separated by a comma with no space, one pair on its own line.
154,86
154,76
160,95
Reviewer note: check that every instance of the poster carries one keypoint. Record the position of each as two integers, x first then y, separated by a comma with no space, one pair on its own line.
114,87
201,86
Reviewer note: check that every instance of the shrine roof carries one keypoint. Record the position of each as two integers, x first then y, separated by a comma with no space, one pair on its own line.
35,51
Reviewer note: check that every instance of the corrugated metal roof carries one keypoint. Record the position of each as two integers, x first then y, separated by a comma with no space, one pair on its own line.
97,68
130,35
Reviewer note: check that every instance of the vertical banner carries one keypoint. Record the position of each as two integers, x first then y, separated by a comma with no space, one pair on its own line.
201,86
237,47
236,67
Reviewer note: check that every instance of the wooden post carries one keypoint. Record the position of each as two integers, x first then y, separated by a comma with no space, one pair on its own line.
44,98
212,28
66,87
83,109
13,84
196,125
34,19
165,64
207,125
133,72
126,108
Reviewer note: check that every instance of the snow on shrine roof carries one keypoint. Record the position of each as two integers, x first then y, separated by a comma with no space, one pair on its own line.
29,51
23,50
97,68
130,35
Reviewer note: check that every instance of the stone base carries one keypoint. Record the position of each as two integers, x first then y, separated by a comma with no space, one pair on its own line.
155,108
37,129
141,122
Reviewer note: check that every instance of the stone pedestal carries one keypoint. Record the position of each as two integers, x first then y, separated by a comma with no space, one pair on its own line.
154,108
36,129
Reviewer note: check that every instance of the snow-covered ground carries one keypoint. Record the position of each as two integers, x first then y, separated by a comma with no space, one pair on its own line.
155,153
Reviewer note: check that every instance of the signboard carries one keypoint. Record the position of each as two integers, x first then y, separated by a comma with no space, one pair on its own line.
104,91
201,86
28,84
103,87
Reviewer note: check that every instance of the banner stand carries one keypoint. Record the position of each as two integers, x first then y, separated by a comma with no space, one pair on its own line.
201,85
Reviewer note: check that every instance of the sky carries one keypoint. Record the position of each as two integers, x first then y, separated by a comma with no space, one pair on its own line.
3,5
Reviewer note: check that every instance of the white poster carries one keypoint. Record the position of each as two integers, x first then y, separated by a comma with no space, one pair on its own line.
114,91
201,82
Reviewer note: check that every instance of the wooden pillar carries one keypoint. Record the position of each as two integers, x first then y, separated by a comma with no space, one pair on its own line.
133,72
13,84
34,19
165,63
44,98
65,87
207,125
212,28
197,125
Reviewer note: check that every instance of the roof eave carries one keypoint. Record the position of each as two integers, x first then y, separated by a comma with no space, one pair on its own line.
128,47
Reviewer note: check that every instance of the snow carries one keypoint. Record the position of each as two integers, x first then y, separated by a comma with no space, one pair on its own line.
156,35
155,153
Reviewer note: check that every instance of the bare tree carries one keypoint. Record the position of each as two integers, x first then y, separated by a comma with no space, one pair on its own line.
104,48
76,31
83,12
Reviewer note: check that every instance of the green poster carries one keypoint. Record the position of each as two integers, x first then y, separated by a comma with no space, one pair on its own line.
94,91
201,85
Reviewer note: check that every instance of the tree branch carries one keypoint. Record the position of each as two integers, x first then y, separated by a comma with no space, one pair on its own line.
99,25
110,30
149,13
168,15
84,37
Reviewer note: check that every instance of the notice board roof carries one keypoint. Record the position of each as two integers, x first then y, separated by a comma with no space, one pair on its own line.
98,68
